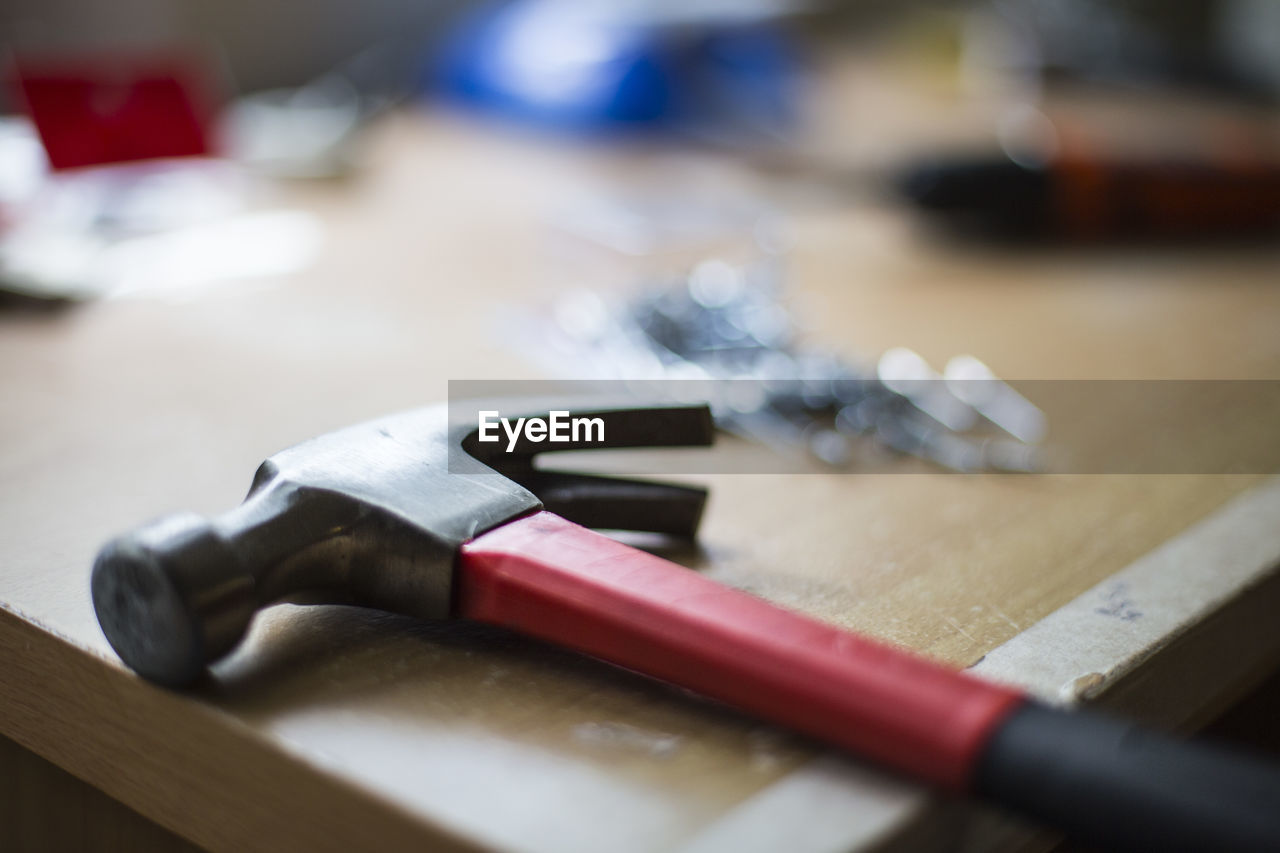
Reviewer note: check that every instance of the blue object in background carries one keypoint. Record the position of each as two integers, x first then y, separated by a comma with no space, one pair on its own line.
584,68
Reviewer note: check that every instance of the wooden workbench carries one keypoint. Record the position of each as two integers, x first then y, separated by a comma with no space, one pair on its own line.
336,727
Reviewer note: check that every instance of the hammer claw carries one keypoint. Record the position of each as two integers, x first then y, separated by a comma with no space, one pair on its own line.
608,503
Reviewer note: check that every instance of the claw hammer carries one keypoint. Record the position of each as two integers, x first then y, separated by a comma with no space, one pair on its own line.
412,514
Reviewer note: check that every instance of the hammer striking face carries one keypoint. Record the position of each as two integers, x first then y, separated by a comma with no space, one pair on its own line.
416,515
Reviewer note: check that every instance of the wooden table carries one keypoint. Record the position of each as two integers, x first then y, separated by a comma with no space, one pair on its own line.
335,727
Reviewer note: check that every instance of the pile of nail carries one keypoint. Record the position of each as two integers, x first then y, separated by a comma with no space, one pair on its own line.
731,325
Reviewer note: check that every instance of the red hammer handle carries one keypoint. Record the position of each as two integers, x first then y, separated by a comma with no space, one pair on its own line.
546,577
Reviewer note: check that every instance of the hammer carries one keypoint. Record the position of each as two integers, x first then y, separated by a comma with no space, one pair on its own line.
413,514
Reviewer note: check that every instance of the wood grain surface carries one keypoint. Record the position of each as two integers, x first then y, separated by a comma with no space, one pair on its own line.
334,727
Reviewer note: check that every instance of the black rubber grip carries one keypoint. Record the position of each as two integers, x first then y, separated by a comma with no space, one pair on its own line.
1112,784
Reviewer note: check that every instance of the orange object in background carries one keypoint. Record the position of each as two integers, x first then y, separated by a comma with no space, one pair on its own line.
1098,200
1082,197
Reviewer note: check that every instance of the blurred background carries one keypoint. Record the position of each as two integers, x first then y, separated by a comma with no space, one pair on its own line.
670,189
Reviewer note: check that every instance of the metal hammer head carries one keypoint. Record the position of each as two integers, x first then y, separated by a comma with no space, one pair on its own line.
371,515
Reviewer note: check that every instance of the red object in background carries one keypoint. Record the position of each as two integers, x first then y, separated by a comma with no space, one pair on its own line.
545,577
116,109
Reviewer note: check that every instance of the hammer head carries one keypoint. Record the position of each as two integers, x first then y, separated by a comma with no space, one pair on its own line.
373,515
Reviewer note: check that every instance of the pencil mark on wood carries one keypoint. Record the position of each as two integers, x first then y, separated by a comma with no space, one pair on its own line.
1117,603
